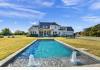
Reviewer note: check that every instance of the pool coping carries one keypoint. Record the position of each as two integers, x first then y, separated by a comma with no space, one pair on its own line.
82,51
5,60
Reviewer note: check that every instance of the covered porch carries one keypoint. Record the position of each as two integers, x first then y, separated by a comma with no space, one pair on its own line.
45,32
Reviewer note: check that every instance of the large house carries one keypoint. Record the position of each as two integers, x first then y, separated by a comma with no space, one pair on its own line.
46,29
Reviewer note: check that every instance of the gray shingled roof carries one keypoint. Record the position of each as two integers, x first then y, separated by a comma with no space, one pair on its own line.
48,23
41,24
70,29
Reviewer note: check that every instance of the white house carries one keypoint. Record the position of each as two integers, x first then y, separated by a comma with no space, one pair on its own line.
51,29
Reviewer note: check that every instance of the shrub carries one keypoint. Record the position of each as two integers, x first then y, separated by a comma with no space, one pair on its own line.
1,36
32,35
8,36
18,32
13,36
56,35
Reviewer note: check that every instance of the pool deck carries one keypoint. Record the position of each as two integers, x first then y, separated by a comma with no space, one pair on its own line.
82,51
52,62
92,65
61,62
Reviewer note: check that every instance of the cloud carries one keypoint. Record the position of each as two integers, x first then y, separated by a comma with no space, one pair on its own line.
95,6
19,11
92,19
34,3
3,4
72,2
45,3
48,4
33,23
19,14
16,7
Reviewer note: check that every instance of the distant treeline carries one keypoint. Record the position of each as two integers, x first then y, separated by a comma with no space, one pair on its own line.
7,32
91,31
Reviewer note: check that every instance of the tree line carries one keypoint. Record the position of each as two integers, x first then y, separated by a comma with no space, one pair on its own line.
7,32
91,31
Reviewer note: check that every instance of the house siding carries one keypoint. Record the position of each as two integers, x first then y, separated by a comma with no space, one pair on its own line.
51,29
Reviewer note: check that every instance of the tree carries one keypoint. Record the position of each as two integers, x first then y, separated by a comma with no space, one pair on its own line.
18,32
92,31
98,33
87,31
6,32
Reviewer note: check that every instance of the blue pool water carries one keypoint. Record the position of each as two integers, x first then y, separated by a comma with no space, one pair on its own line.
47,49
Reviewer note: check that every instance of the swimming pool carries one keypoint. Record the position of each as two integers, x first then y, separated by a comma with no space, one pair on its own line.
48,53
47,49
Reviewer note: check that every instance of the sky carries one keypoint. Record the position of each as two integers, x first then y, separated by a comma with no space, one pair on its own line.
22,14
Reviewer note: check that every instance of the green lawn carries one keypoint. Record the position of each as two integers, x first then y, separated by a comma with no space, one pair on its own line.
93,46
11,45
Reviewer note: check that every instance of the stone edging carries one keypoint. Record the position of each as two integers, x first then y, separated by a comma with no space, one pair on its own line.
84,52
2,62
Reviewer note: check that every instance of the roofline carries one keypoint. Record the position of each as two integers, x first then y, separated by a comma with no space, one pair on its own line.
50,22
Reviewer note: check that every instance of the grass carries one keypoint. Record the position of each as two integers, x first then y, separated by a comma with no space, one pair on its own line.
90,38
11,45
93,46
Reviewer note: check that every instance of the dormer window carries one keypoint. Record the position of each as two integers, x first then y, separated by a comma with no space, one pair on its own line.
43,26
46,26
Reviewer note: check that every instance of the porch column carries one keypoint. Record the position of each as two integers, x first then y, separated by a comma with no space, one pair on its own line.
46,33
43,33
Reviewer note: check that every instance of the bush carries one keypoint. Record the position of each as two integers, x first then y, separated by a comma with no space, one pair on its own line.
32,35
1,36
56,35
13,36
8,36
18,32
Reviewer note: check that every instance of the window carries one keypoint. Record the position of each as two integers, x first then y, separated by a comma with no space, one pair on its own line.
35,32
43,26
59,33
46,26
55,27
53,32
